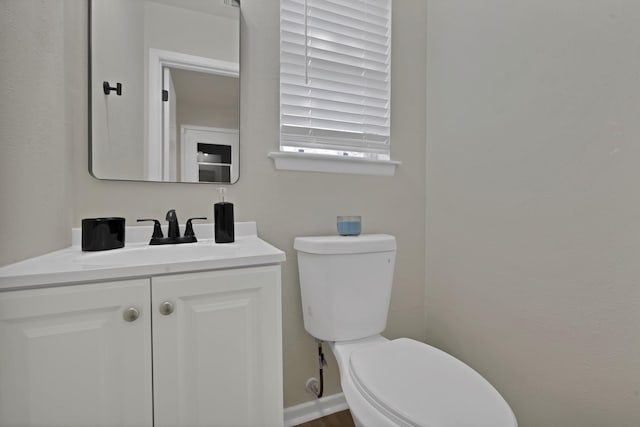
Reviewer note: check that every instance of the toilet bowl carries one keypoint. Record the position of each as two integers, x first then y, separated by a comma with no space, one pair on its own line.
403,382
345,285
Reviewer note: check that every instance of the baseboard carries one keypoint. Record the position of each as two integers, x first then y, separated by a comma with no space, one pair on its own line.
314,409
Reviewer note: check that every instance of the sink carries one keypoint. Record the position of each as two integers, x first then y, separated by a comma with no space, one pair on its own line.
138,259
144,255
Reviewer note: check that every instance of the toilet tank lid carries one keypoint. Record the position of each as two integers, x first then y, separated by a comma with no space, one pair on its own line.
332,245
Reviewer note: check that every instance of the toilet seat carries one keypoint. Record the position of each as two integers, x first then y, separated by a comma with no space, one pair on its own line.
414,384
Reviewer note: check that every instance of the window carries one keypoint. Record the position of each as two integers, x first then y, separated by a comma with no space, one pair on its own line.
335,63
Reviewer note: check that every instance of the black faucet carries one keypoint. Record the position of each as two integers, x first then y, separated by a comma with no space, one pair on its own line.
174,229
173,233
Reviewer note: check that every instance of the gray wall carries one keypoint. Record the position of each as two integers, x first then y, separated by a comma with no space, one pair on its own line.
284,204
533,202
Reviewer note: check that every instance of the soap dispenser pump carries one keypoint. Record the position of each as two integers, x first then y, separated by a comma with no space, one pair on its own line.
223,219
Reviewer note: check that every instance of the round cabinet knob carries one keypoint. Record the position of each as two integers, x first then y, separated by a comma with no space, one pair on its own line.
166,308
130,314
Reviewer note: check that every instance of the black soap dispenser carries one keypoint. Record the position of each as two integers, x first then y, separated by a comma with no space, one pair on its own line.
223,219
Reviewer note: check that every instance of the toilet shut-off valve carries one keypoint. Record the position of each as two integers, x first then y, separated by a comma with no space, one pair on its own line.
314,386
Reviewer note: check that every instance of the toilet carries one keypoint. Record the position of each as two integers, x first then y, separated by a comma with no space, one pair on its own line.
345,284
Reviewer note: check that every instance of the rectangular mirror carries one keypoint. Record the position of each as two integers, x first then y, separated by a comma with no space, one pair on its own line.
164,90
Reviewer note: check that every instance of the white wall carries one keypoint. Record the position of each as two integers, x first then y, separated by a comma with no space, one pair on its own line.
216,107
36,161
533,202
206,115
284,204
194,33
118,57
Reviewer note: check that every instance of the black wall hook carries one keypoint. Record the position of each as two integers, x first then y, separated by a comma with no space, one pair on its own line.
108,88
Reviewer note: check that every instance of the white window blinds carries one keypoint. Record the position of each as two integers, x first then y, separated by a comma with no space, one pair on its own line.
335,62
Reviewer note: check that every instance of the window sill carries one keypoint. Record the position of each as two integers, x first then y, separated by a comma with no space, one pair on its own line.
308,162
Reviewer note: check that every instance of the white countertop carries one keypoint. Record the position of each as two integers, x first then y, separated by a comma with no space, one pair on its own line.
138,259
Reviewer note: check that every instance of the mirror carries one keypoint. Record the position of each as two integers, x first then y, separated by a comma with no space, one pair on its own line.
164,90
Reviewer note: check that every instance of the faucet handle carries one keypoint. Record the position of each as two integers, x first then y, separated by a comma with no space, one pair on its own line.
157,229
188,231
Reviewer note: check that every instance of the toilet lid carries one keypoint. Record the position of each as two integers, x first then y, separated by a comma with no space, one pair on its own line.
415,384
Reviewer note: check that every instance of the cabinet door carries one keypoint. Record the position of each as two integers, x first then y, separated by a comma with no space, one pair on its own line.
69,358
218,354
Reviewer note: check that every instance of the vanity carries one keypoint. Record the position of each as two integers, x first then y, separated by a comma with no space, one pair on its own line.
176,335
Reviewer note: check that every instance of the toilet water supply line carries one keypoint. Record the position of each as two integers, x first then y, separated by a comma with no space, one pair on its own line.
322,363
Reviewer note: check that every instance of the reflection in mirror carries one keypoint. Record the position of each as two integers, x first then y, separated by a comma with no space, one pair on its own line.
176,115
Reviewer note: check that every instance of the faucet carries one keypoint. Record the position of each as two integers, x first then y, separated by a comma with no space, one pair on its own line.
174,229
173,233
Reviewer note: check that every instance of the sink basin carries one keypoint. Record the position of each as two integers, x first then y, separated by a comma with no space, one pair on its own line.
144,255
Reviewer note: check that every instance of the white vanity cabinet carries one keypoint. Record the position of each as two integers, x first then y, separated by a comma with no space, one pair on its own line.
188,349
217,348
69,358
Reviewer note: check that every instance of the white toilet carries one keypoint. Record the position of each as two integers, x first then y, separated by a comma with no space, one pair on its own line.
345,283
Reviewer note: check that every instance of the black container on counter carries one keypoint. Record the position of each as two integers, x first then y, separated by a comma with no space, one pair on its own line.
101,234
223,220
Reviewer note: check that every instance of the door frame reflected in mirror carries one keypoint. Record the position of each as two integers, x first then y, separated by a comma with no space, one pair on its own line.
157,158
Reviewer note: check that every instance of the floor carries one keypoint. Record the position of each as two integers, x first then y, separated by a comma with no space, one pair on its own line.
339,419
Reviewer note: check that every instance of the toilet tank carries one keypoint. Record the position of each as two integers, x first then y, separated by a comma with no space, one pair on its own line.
345,284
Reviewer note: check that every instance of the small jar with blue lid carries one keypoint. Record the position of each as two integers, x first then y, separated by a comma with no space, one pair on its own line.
349,225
